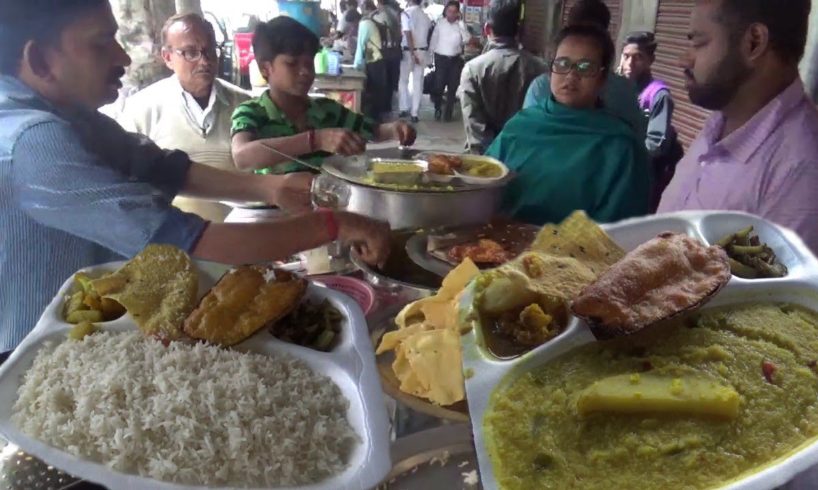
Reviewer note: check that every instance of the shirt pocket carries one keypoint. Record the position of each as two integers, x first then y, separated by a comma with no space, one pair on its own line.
727,186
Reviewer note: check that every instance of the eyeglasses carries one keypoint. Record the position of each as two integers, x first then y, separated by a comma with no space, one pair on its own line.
194,55
583,68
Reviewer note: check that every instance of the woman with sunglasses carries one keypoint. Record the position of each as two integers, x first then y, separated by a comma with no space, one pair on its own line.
570,153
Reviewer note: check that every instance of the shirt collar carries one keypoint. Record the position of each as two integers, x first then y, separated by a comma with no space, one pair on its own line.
216,94
743,143
15,89
502,43
314,111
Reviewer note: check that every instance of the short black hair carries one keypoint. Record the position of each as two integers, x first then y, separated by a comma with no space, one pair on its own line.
452,3
590,12
646,41
787,22
602,38
283,35
187,19
42,21
504,17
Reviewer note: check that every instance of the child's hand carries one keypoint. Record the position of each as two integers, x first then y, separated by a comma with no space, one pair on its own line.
404,133
339,141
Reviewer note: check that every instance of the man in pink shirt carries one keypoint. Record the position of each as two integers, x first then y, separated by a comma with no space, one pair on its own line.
759,152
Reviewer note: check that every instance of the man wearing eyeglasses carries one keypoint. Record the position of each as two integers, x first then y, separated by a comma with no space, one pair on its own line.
191,109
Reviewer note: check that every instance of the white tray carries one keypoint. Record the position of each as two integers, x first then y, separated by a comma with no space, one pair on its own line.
799,287
351,366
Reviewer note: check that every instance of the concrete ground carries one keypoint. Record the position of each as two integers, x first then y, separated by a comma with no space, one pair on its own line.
434,135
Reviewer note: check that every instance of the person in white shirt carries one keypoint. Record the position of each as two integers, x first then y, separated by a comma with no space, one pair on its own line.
448,39
415,25
191,109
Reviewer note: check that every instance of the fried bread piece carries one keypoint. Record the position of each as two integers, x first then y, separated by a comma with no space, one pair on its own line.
245,300
669,275
157,287
444,164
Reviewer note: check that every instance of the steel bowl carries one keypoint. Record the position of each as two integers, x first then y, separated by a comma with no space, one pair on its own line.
342,185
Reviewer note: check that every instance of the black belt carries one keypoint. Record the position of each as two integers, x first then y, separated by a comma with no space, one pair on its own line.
416,49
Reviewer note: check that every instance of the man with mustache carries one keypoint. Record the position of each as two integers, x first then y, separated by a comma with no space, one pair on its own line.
77,190
759,151
191,109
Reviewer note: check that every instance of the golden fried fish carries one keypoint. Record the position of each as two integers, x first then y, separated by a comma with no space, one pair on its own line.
157,287
245,300
669,275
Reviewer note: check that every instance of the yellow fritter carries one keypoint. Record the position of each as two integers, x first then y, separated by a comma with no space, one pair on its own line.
157,287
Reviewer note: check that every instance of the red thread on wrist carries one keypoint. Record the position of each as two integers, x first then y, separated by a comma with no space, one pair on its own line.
311,139
331,222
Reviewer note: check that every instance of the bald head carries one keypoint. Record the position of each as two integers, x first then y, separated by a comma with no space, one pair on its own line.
189,49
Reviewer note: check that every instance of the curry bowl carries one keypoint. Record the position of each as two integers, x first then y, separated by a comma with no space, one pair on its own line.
350,365
494,386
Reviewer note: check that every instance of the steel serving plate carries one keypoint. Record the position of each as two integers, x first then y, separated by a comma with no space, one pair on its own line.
799,287
343,185
350,365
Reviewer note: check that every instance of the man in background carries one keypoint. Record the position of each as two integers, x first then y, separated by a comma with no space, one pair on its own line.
191,109
348,23
387,18
415,25
656,102
493,85
758,152
448,40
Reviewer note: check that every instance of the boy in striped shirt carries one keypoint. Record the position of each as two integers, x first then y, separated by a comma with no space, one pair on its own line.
286,118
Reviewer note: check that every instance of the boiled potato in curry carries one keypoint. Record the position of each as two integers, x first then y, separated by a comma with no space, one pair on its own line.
692,403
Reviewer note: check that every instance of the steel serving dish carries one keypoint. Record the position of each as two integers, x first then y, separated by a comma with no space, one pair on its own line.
344,184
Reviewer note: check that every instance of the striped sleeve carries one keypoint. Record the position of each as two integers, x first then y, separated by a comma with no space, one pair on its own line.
347,119
248,116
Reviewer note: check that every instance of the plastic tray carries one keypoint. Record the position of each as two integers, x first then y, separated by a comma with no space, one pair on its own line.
351,366
799,287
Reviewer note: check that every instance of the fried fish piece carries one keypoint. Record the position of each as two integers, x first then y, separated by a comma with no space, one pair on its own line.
669,275
245,300
444,164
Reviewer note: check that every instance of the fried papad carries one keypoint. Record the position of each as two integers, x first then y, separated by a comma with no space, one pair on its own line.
671,274
580,238
157,287
245,300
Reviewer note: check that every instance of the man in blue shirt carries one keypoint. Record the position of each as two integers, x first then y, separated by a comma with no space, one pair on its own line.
77,190
619,95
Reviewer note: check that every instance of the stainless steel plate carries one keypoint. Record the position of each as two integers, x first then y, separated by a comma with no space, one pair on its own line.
441,458
416,249
21,471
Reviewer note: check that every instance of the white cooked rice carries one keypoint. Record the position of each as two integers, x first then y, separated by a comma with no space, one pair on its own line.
192,414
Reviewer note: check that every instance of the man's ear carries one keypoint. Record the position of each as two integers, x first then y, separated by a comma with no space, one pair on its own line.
36,60
756,41
166,57
487,29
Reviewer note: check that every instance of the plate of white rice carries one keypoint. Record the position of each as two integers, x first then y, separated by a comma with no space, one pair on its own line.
126,411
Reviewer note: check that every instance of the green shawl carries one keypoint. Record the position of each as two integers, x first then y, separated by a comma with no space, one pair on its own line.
568,159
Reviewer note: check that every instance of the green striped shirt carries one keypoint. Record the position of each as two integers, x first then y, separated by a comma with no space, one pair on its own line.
264,119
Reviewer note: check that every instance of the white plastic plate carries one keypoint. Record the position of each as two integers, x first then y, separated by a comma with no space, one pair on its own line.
350,365
799,287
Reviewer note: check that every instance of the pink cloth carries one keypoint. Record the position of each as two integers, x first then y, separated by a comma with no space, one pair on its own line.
768,167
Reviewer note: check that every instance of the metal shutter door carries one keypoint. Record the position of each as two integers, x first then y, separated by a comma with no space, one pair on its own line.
672,25
615,6
534,24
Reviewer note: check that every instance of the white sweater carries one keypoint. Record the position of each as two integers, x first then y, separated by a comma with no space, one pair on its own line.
159,112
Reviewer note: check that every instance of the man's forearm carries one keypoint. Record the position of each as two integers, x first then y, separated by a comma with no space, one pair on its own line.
204,182
254,155
262,242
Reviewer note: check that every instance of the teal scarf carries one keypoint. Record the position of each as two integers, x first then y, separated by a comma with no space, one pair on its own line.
568,159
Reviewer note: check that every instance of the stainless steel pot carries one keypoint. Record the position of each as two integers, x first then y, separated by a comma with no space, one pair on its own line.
405,209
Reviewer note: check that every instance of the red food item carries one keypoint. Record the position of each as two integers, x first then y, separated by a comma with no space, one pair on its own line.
482,252
768,369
